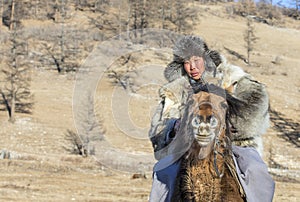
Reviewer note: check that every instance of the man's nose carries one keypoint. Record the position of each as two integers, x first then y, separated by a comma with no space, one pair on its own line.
193,65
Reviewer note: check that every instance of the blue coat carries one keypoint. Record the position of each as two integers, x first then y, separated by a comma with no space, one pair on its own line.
251,170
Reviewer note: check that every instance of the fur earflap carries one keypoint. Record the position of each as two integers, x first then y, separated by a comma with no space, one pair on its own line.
184,49
173,71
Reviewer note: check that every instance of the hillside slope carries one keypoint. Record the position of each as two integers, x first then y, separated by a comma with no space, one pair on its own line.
42,167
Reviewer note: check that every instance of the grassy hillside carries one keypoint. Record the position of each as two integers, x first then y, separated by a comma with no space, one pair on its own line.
44,164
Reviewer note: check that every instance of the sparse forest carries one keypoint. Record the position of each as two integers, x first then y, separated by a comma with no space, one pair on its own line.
45,45
61,44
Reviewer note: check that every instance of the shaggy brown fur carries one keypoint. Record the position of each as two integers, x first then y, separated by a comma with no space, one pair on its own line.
212,178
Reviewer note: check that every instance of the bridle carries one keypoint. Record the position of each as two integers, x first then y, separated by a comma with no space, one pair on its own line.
216,149
216,152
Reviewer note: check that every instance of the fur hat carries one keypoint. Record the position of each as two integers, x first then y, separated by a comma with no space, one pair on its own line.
185,48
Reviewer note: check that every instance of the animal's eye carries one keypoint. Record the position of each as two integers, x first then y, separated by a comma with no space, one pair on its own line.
213,122
224,105
196,121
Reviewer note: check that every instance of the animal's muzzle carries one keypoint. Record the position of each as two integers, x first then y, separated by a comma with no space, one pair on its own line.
204,129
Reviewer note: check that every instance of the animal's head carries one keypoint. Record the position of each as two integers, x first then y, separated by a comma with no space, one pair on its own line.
228,75
206,116
204,122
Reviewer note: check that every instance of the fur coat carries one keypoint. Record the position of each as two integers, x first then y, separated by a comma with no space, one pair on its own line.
174,94
247,128
170,109
253,121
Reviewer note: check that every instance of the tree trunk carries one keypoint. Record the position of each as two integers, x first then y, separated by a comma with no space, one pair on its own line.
1,12
11,26
171,10
163,16
143,18
62,43
13,108
120,21
36,8
135,19
8,108
56,14
128,19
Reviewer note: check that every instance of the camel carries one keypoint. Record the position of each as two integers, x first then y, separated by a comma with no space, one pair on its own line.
207,171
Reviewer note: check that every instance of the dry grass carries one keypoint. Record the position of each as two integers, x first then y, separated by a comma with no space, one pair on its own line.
43,170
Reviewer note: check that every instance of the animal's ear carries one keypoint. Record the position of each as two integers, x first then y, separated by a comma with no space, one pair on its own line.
173,71
224,104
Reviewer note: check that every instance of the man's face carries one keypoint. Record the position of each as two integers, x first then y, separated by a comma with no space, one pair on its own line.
194,67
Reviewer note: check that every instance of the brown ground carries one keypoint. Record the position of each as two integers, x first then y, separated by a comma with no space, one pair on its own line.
41,169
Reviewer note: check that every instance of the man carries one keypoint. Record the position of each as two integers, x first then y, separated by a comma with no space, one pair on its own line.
191,65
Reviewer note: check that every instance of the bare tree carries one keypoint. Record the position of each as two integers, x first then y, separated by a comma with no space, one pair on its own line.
76,143
61,46
138,17
62,36
124,76
180,18
245,8
295,4
249,37
91,128
249,34
109,23
295,12
15,92
183,16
